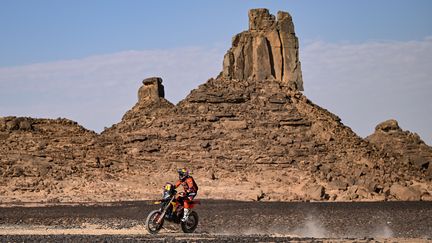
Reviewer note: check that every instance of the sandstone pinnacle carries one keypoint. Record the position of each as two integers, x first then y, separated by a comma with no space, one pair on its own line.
151,101
267,51
152,89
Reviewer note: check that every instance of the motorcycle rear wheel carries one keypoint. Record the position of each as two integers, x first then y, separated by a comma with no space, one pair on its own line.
191,223
151,222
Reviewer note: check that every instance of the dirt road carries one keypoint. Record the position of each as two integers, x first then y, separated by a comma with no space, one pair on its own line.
223,221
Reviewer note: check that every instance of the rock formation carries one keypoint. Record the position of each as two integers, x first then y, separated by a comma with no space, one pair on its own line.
250,130
267,51
404,146
152,90
151,101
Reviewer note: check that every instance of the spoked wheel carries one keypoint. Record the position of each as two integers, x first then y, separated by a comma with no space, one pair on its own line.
152,224
191,223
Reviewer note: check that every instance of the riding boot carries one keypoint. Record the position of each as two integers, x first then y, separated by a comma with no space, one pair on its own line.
185,214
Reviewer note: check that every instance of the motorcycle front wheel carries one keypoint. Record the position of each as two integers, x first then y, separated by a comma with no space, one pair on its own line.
191,223
152,224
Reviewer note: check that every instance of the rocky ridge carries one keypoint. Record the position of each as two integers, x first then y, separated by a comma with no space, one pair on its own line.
257,135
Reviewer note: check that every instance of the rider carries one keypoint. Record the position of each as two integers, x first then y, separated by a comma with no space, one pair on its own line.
190,190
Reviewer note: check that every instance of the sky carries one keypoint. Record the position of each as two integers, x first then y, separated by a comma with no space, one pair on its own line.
365,61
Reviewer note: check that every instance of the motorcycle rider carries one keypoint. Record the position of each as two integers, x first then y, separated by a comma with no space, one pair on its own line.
190,191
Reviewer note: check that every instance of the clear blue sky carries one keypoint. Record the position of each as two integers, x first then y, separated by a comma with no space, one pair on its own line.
48,30
364,60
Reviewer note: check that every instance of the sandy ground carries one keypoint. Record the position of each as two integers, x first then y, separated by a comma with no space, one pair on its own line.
222,221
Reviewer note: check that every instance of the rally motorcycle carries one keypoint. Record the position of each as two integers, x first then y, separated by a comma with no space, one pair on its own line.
171,210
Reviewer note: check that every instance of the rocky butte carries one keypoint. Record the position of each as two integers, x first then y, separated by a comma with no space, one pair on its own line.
249,134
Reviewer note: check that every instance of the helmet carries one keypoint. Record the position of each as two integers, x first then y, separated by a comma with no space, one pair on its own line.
183,173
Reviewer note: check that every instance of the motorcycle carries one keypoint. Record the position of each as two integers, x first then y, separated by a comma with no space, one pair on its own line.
171,210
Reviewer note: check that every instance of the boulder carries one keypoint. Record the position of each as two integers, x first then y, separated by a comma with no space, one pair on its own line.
389,125
234,125
405,193
426,197
25,124
338,185
11,123
314,192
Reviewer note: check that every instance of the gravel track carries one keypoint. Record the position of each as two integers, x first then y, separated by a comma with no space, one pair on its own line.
222,221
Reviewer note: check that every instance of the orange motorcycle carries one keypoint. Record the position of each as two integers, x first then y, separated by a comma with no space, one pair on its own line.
171,209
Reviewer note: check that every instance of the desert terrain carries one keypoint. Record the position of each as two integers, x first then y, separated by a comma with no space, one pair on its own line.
222,221
250,129
271,164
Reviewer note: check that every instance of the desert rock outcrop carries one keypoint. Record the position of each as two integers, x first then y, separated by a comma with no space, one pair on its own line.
267,51
404,146
151,104
250,130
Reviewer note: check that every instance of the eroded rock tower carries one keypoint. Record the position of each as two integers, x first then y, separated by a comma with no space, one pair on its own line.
268,50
